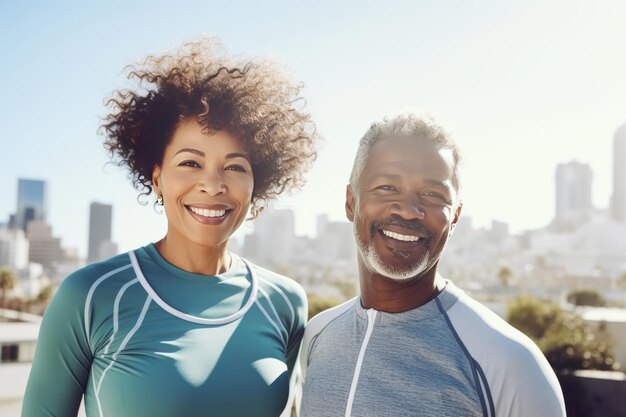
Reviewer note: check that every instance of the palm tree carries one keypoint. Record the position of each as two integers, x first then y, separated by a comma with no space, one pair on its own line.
8,280
44,297
504,276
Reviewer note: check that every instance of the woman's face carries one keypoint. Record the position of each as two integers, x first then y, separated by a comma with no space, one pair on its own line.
206,182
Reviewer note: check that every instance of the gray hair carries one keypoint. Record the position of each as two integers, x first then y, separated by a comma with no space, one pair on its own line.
421,126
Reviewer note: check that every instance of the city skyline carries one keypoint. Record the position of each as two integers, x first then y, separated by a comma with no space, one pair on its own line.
519,101
573,187
618,198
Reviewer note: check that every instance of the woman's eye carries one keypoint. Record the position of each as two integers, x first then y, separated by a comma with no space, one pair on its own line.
236,167
189,163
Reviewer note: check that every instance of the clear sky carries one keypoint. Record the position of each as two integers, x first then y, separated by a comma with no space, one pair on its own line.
524,85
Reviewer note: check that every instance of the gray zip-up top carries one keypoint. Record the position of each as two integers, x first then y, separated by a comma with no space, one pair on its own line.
449,357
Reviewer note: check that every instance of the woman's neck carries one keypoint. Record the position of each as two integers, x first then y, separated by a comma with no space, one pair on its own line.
191,257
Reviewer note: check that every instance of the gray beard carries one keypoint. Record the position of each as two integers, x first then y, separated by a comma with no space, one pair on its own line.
375,263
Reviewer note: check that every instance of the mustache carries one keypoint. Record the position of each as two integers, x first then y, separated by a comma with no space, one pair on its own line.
395,220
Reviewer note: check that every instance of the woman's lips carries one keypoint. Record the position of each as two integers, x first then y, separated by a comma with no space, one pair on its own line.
212,216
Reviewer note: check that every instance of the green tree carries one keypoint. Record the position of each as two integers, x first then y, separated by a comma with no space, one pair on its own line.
564,338
8,280
45,295
347,288
586,297
317,304
504,276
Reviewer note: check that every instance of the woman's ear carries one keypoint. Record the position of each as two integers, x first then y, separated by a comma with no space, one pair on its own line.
156,179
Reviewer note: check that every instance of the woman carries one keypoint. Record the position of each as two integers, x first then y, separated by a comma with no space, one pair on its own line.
183,327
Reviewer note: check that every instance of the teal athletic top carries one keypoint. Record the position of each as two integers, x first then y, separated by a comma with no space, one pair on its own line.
140,337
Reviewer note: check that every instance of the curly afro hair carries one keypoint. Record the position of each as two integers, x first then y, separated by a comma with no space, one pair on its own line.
251,99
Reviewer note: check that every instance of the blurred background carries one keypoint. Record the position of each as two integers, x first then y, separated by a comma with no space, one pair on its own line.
534,91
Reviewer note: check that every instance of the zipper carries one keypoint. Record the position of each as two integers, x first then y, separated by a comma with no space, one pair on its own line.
371,316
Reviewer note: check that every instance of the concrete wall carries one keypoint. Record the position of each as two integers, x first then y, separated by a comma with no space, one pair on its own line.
594,394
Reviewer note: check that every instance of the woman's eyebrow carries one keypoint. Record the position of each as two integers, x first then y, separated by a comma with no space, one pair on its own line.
193,151
237,155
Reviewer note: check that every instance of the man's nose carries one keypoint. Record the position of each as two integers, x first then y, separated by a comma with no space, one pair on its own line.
409,208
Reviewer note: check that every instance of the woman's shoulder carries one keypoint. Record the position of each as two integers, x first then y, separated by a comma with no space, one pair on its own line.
86,277
275,283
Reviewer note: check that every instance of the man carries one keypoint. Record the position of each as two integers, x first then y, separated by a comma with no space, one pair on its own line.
413,344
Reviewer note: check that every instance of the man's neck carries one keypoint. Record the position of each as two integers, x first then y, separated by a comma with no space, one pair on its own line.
392,296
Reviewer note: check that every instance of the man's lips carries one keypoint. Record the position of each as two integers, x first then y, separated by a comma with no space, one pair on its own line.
401,242
400,234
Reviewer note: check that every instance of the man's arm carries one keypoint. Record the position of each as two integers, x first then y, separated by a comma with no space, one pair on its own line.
519,379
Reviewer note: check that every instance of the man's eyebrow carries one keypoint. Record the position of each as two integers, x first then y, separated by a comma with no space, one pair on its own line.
439,183
191,150
395,177
391,177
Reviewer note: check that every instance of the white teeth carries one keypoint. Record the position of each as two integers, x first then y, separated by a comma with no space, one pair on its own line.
398,236
208,213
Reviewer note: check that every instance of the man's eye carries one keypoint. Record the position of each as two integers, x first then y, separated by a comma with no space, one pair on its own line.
435,197
386,187
236,167
189,163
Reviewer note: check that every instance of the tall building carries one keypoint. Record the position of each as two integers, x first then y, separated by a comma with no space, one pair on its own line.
618,199
274,232
31,202
100,245
13,248
573,193
44,248
335,241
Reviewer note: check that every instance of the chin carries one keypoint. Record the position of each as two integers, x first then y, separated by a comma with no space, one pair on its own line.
398,273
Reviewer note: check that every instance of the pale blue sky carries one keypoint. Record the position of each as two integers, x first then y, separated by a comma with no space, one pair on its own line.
523,84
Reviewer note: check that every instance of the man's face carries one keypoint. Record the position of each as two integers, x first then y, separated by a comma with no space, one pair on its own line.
403,207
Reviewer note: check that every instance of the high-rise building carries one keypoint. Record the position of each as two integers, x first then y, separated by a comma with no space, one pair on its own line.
573,193
13,248
44,248
335,241
618,199
275,234
31,202
100,245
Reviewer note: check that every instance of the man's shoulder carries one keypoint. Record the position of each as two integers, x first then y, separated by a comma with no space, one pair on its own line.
318,323
501,352
478,325
516,371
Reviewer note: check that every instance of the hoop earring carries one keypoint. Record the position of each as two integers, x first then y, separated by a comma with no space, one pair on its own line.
160,199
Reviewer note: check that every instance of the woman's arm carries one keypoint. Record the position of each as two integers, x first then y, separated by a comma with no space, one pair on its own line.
298,300
63,359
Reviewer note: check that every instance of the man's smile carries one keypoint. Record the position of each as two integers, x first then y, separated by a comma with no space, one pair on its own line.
398,236
404,242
